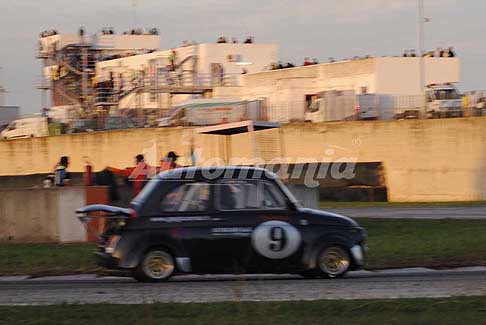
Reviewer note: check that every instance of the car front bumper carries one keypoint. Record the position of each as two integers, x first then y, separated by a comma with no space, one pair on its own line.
358,252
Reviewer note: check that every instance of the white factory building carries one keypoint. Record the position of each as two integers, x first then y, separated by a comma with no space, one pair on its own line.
140,76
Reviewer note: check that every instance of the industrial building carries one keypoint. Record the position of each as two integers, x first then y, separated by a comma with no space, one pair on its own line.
126,74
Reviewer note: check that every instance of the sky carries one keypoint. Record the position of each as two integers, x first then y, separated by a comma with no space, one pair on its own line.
306,28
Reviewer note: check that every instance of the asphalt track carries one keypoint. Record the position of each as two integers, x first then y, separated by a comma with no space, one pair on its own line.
426,212
388,284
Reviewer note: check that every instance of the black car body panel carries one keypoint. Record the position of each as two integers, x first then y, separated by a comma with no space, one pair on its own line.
223,220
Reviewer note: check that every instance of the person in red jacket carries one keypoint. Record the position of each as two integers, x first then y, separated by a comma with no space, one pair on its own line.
137,175
169,162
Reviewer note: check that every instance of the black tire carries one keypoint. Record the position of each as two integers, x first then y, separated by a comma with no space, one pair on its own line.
157,265
333,261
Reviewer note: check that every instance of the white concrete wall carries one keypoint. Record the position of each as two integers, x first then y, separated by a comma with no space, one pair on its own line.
259,55
126,42
61,41
70,228
41,215
401,76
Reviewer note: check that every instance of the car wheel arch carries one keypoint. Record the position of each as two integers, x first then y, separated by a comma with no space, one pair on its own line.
136,255
310,257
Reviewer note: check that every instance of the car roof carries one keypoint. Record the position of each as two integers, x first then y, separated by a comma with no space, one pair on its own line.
213,173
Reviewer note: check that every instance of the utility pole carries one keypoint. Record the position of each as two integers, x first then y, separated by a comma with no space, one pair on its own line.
421,46
2,92
134,13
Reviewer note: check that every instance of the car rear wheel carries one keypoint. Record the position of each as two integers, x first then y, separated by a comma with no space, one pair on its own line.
333,261
157,265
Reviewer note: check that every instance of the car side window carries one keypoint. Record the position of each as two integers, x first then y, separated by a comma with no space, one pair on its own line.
188,197
248,195
273,197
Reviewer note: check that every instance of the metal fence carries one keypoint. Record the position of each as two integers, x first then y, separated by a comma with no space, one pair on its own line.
361,107
111,91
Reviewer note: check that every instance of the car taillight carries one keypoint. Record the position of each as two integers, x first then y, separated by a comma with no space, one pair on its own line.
133,213
111,245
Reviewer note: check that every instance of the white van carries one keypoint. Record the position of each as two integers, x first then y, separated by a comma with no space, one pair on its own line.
26,128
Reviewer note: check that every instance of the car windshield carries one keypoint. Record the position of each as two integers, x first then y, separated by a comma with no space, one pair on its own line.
445,94
11,126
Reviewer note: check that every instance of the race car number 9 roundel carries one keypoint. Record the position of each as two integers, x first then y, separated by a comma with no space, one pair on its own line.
276,239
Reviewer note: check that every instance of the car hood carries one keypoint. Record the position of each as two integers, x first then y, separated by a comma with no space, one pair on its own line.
327,218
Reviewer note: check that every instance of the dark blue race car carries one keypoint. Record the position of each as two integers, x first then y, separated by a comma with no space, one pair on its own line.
225,220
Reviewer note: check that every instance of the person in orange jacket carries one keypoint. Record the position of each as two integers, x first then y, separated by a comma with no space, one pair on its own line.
137,175
169,162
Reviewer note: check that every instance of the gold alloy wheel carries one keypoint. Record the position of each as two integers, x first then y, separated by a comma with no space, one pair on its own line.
334,261
158,265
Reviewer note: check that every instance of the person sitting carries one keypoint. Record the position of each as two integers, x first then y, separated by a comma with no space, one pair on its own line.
249,40
450,53
221,40
61,175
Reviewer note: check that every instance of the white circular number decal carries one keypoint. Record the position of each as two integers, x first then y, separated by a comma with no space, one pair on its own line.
276,239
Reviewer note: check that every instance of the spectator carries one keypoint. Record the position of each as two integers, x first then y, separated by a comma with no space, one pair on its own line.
137,175
413,54
172,60
61,175
169,162
221,74
450,53
466,101
249,40
405,54
120,83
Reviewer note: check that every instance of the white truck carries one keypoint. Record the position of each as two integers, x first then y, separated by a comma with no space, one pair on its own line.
333,105
213,111
26,128
443,101
440,101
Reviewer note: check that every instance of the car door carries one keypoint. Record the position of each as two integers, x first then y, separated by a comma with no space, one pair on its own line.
185,214
259,233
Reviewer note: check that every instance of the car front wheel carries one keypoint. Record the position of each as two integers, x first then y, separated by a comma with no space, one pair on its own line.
333,261
157,265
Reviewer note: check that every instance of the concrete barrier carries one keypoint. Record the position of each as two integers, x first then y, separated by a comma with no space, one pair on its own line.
423,160
41,215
